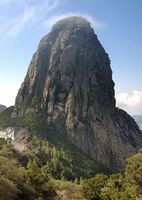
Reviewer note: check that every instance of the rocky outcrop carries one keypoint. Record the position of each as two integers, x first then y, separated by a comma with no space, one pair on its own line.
2,108
70,80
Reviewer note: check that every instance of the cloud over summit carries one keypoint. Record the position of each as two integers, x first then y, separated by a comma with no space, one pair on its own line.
24,14
97,25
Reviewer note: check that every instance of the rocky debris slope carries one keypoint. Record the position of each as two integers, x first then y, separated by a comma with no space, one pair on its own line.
70,80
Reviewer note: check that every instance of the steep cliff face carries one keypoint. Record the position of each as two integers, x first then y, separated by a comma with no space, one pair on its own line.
70,80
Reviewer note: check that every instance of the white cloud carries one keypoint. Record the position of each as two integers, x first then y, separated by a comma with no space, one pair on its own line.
131,103
24,14
18,24
124,99
97,25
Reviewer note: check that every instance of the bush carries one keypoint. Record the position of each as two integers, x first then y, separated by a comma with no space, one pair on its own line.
92,187
17,182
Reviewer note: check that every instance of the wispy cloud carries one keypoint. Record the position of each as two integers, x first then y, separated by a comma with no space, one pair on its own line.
97,25
25,14
130,102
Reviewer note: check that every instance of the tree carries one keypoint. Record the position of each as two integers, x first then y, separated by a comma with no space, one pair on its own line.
34,173
40,181
9,170
133,174
114,188
92,187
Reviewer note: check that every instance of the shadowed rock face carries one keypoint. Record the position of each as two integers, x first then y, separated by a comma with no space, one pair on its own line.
70,80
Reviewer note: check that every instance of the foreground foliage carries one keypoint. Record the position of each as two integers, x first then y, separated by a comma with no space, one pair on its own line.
29,175
19,182
125,186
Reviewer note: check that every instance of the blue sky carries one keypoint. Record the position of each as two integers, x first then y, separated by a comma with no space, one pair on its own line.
117,23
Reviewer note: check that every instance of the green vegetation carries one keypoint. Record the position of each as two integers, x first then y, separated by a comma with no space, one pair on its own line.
19,182
39,165
24,175
5,117
125,186
92,187
32,173
32,122
59,161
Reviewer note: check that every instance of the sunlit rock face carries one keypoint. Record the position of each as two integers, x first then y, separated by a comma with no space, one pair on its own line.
69,79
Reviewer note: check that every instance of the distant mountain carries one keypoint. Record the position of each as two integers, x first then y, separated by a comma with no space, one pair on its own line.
138,119
2,107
